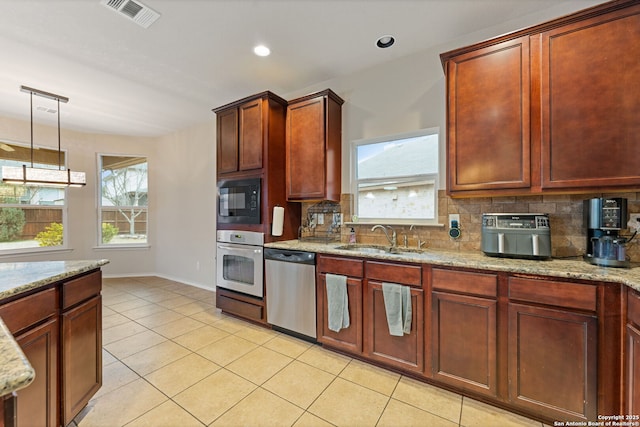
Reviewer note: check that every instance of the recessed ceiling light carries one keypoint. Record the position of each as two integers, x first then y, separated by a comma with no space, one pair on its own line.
385,42
261,50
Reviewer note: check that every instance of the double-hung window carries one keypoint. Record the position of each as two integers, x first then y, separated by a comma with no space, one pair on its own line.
123,204
32,218
395,178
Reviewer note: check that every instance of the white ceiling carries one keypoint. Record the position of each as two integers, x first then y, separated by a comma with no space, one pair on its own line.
124,79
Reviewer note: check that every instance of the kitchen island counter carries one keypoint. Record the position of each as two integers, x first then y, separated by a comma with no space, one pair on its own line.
571,268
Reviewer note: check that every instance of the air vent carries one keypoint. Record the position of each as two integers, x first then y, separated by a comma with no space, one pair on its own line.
133,10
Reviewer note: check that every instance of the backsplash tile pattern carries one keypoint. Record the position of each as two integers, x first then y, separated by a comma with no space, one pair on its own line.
568,236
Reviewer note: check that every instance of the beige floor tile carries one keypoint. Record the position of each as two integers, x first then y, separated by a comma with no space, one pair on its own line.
123,330
111,299
106,311
107,358
479,414
192,308
178,327
174,302
256,334
147,361
113,320
299,383
144,311
115,376
310,420
159,295
181,374
439,402
324,359
227,350
135,343
122,405
160,318
289,346
343,404
377,379
399,414
201,337
260,408
231,325
213,396
131,304
208,316
259,365
169,414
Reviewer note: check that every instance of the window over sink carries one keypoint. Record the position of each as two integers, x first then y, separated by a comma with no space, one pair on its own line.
395,178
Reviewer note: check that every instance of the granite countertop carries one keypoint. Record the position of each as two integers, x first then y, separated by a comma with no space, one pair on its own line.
19,277
574,268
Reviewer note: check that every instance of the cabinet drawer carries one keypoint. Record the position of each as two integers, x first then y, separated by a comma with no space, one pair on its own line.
81,289
465,282
394,273
345,266
27,311
633,307
561,294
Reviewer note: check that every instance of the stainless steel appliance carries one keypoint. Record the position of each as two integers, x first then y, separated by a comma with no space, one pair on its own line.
516,235
239,261
604,218
290,280
239,201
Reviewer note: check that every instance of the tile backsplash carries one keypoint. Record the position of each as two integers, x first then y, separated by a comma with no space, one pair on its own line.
568,235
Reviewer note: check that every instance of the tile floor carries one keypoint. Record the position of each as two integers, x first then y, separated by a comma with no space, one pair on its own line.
172,359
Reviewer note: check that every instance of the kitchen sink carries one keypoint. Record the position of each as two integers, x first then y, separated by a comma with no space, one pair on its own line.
372,249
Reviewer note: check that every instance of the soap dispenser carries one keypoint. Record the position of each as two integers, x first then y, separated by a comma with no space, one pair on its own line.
352,236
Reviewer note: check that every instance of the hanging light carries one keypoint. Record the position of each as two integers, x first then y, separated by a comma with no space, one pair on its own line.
42,177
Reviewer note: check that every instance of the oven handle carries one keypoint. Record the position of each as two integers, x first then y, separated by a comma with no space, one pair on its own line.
236,249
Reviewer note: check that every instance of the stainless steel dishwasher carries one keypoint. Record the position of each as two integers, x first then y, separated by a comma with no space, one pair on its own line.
290,280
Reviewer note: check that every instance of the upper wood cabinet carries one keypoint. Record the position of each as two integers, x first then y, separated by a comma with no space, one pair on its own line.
488,118
548,109
245,132
314,147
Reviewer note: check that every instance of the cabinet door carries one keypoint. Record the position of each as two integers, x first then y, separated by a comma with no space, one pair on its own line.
488,140
251,132
552,361
347,339
464,346
590,101
81,356
633,370
405,352
38,402
227,137
306,156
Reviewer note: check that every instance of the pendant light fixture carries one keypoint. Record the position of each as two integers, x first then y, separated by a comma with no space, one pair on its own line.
42,177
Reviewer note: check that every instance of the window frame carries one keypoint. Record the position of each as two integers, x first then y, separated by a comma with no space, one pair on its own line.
64,209
99,206
356,218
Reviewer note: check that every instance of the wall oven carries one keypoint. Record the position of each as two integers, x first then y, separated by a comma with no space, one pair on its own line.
239,201
239,261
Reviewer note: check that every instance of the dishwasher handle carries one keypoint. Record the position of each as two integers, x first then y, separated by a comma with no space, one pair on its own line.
285,255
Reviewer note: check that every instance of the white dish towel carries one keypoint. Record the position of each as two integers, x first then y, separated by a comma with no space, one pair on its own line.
397,305
337,302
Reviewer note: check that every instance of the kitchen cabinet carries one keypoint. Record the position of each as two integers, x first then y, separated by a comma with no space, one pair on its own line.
249,133
59,329
488,118
547,109
632,362
464,344
404,352
314,147
347,339
553,348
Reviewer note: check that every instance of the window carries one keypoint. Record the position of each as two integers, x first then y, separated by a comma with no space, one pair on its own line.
31,218
123,201
395,178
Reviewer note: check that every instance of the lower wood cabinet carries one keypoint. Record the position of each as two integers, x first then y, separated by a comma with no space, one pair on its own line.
632,361
404,352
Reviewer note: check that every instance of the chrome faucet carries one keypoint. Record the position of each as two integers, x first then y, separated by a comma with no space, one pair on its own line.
393,240
420,242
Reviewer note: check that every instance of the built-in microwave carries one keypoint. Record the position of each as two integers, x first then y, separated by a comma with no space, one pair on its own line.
239,201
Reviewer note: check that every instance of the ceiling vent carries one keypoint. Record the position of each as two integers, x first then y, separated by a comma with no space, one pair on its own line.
133,10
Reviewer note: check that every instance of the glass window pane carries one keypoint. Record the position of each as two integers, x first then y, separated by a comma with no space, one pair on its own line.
123,201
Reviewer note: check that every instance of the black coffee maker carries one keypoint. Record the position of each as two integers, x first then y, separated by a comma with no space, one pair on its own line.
604,218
